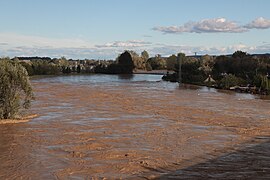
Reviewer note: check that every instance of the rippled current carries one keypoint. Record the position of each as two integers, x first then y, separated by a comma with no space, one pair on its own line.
136,127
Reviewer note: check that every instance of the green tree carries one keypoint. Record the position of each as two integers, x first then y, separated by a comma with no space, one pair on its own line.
28,67
207,63
191,71
42,67
15,89
145,55
125,63
157,62
181,56
171,62
239,54
139,62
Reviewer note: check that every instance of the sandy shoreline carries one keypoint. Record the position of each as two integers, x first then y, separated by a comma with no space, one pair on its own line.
21,120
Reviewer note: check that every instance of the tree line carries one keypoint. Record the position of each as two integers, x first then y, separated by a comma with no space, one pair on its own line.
238,69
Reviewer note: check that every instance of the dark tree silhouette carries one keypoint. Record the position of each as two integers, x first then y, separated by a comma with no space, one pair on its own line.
126,63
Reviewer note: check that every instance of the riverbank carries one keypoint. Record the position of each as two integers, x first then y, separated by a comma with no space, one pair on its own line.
157,72
173,77
23,119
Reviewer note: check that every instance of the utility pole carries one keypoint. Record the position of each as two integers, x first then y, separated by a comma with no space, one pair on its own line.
179,59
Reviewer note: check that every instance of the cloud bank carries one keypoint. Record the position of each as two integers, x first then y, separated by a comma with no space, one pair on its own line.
12,44
167,50
217,25
125,44
113,52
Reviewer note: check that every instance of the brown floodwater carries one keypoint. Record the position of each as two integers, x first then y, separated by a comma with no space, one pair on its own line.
136,127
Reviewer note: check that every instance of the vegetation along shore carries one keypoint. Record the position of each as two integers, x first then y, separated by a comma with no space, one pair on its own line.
240,71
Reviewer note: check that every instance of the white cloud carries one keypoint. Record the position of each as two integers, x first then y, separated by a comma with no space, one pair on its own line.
166,50
175,29
111,53
217,25
259,23
125,44
20,45
13,44
74,53
13,39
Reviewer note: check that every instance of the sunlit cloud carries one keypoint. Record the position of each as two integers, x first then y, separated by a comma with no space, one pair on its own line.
217,25
259,23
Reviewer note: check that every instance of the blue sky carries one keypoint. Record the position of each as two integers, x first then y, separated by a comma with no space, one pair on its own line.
104,28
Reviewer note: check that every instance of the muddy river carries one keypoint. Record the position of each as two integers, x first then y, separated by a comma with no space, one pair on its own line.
136,127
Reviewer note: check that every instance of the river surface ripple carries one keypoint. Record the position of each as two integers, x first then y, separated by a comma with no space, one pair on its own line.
136,126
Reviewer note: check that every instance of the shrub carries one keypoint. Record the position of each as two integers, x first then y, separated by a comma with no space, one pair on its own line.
148,67
230,81
15,89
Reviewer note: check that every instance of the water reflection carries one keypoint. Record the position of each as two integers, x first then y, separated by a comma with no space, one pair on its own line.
100,78
245,96
142,81
125,76
207,89
264,97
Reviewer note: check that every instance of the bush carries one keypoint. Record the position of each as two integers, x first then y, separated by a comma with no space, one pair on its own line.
148,67
15,89
157,63
41,67
230,81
